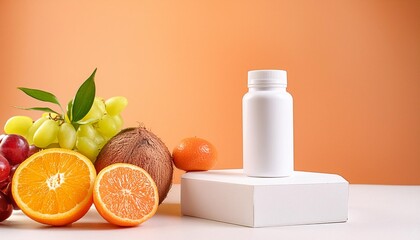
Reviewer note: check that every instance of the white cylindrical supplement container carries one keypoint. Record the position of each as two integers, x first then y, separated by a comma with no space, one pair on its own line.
267,118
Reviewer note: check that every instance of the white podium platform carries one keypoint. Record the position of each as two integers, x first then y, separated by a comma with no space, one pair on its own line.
232,197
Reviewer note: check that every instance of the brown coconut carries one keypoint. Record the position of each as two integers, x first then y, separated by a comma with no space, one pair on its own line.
140,147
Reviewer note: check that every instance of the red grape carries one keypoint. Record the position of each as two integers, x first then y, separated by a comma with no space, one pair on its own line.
33,149
15,148
13,170
8,191
4,168
3,185
6,207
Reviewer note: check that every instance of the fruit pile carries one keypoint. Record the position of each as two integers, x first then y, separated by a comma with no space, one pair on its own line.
51,163
86,126
101,123
14,149
66,181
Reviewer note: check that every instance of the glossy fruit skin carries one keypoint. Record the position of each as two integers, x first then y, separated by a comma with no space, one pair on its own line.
46,134
15,148
8,191
18,125
6,207
9,187
107,127
194,154
6,184
87,147
115,105
13,170
33,149
67,136
3,184
4,168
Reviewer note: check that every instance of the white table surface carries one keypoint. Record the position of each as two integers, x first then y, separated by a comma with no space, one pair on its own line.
375,212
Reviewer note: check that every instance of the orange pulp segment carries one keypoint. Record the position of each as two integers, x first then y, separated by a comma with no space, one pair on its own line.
54,186
125,194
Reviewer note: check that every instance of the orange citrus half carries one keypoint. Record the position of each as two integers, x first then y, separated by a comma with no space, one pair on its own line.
125,194
54,186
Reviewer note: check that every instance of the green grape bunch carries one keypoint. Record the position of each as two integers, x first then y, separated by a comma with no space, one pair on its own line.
86,126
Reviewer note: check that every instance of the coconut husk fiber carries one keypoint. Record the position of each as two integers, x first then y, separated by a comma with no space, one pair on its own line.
143,148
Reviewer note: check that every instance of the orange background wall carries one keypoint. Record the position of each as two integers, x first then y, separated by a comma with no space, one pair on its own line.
353,67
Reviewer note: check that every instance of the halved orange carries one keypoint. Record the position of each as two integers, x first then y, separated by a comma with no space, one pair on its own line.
54,186
125,194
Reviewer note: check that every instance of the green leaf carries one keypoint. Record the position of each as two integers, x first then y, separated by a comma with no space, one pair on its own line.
42,109
84,98
40,95
69,108
87,121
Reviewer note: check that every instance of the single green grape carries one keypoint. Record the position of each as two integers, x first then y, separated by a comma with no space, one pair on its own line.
95,113
18,125
67,136
119,122
46,133
87,147
89,131
100,140
100,104
31,131
86,130
107,126
115,105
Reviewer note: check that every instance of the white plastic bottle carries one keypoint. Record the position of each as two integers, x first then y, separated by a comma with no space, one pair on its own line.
267,111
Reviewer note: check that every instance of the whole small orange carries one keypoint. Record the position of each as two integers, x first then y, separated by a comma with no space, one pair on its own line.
194,154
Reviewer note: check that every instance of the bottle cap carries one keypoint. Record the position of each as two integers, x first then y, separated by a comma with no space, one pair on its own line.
263,78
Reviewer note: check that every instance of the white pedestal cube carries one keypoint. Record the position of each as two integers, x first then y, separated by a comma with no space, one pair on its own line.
232,197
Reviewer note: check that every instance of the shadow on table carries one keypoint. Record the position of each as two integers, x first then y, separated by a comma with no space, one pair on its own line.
76,225
91,221
170,209
91,226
